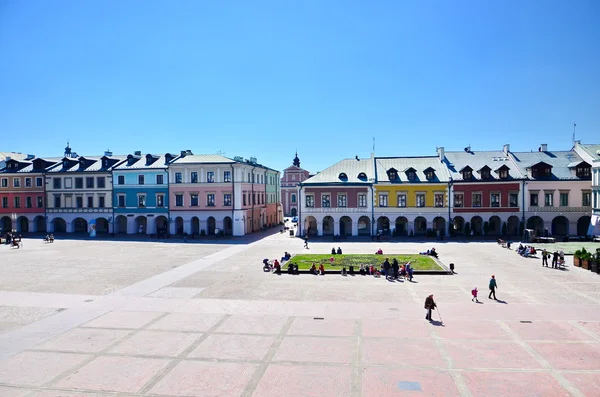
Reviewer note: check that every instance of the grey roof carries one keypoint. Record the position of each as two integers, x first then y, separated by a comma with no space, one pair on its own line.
140,163
494,159
592,150
419,164
351,167
559,160
203,158
12,155
95,164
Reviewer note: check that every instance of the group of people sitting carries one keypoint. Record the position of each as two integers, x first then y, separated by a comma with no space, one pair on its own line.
275,266
431,252
13,240
320,270
334,252
526,250
49,238
393,270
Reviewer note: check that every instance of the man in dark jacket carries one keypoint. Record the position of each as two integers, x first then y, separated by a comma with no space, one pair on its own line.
493,286
429,306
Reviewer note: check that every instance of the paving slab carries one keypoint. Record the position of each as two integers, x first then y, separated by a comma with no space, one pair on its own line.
513,384
304,381
384,382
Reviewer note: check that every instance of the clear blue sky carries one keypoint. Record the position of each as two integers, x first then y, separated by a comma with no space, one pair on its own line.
262,78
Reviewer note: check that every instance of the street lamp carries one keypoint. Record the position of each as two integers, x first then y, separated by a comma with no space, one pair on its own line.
14,222
450,184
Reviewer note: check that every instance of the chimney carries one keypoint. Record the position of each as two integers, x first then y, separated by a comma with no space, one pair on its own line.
108,153
544,147
30,157
182,153
506,148
168,158
137,153
441,153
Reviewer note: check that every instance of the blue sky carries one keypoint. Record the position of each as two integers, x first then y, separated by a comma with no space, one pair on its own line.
263,78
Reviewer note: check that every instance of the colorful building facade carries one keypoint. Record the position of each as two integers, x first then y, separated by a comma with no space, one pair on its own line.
591,154
292,177
273,197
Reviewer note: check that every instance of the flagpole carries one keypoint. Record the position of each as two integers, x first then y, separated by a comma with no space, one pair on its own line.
574,125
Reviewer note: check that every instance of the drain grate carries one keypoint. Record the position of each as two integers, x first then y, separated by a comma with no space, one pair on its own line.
409,386
89,300
318,318
525,322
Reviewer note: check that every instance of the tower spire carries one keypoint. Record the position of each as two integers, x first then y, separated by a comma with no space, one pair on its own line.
296,161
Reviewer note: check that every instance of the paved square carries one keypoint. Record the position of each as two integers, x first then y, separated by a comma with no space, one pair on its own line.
95,318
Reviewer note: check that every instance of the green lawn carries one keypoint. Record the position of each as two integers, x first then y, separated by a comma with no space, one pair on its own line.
419,262
569,248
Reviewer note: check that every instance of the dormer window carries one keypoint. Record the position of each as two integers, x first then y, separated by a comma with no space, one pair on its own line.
65,163
104,163
362,176
541,170
429,173
411,173
392,174
583,170
343,177
485,173
503,173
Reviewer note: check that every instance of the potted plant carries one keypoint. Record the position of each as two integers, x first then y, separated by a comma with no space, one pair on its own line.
577,258
587,261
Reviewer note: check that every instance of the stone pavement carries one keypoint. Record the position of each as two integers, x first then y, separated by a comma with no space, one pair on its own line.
101,318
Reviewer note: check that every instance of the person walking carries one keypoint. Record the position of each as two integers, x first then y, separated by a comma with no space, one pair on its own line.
554,259
544,257
493,286
429,306
474,293
306,241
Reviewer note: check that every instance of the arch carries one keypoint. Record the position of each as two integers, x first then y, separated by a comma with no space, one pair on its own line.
476,225
121,222
536,224
227,226
162,225
345,226
60,225
179,225
211,225
560,226
101,225
6,224
328,226
420,225
364,226
383,225
40,223
512,225
80,225
294,212
583,225
401,226
458,223
23,224
310,226
495,226
141,224
195,225
439,225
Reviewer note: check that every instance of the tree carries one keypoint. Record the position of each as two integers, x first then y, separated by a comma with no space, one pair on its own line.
467,229
504,227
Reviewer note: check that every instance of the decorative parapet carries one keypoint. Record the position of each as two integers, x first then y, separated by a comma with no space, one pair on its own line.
560,209
78,210
310,210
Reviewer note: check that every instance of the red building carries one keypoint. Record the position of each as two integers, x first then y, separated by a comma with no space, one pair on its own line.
22,195
292,177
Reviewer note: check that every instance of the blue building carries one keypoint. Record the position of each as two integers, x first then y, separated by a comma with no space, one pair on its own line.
141,194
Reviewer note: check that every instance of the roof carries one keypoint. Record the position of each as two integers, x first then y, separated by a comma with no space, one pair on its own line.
203,158
93,164
559,161
494,159
351,167
592,150
140,162
418,164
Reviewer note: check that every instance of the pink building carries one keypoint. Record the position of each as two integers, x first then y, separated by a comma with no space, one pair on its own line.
292,176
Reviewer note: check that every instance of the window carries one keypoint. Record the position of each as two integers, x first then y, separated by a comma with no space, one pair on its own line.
210,177
210,200
28,182
586,199
90,201
227,199
28,202
420,200
326,201
533,199
160,179
101,182
79,202
310,201
293,198
476,199
541,172
141,179
411,175
459,200
383,200
121,201
430,175
78,183
40,202
362,200
17,202
342,200
485,174
4,202
101,202
513,199
548,199
495,199
89,183
583,171
253,198
402,200
68,183
178,178
16,182
467,174
438,200
244,196
57,201
56,182
564,199
227,176
4,182
193,200
253,177
504,173
160,200
39,182
194,177
120,180
141,200
179,200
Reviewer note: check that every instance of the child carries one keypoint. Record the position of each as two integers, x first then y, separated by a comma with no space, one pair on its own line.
474,293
